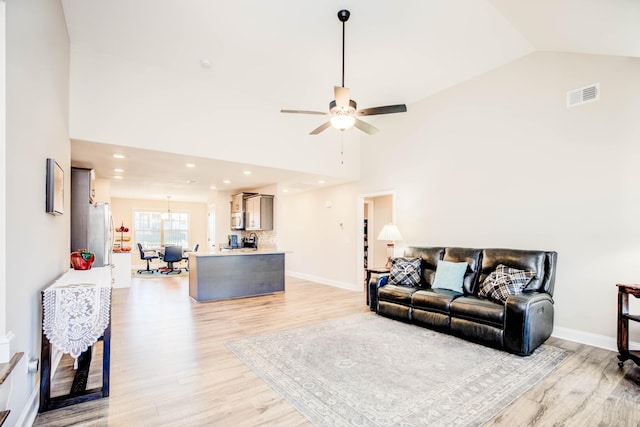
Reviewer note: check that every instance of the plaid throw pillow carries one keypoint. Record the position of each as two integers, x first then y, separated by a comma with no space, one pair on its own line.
503,282
405,272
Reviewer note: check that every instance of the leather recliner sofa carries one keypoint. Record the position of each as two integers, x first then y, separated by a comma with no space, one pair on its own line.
519,325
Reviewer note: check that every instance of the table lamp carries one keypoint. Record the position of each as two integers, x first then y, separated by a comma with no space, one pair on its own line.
390,233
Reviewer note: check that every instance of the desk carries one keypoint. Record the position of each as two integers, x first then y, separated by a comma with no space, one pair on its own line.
623,323
372,270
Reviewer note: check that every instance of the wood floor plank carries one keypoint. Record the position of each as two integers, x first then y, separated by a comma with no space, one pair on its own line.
170,365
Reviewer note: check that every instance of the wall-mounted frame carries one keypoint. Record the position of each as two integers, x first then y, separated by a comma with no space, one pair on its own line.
55,188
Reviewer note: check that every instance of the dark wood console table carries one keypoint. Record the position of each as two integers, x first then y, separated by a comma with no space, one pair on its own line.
100,278
623,323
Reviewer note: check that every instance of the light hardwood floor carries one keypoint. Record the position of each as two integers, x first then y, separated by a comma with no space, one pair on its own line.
170,367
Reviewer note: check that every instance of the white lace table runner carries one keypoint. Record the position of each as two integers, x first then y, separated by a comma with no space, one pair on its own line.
75,316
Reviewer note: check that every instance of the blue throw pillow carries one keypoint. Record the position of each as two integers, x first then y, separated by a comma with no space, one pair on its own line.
382,281
450,275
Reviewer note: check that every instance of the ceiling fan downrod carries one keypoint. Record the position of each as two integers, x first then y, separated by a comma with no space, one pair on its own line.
343,16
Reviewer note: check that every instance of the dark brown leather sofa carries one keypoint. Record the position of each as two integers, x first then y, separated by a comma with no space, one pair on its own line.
519,326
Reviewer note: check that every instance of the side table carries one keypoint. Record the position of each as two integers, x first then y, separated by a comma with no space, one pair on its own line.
370,271
623,323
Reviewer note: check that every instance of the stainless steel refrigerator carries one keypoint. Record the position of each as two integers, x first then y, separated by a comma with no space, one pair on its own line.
92,228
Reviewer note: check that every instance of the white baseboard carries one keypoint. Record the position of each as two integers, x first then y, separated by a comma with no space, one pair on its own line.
30,410
595,340
324,281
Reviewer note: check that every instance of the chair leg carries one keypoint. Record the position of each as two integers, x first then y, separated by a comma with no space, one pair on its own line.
148,270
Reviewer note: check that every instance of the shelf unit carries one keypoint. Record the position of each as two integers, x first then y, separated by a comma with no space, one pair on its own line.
623,323
119,241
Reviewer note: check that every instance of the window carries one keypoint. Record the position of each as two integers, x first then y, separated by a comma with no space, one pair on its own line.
153,229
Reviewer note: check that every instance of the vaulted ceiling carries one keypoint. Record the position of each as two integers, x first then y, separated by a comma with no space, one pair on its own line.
268,55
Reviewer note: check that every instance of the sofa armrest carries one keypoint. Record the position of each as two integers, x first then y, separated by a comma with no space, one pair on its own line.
528,321
373,285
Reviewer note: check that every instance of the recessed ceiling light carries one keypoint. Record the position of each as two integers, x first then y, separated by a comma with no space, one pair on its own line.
226,181
213,187
118,156
118,170
205,63
117,177
321,181
285,190
190,165
246,172
191,181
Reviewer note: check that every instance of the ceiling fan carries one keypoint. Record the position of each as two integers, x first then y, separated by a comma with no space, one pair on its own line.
343,110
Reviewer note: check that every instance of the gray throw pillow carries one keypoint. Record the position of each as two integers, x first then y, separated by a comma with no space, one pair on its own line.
405,272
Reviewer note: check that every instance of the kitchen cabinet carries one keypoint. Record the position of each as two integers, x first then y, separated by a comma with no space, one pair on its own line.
121,262
82,186
238,201
259,212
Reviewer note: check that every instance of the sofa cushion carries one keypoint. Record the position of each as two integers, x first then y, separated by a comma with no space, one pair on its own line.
503,282
397,294
450,275
434,299
405,272
478,310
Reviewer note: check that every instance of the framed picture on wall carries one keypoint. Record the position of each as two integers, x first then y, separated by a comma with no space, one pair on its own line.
55,188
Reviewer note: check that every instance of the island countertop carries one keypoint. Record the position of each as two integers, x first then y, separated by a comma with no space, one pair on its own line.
243,251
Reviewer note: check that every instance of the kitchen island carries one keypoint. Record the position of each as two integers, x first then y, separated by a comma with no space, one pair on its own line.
235,274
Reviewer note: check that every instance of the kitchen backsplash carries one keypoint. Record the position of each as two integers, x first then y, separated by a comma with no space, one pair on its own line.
266,238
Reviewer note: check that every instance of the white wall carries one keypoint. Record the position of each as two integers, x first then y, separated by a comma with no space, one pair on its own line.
320,228
499,161
37,116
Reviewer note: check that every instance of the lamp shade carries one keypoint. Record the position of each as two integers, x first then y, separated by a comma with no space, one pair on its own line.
390,232
342,121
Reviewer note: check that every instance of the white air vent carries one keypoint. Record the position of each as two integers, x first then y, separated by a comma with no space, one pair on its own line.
583,95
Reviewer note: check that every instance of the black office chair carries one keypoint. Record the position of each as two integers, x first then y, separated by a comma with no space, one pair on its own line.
185,255
172,254
147,255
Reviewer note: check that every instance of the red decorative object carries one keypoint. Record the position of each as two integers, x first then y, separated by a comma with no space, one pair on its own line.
82,259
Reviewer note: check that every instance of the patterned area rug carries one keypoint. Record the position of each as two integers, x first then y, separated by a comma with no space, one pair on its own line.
367,370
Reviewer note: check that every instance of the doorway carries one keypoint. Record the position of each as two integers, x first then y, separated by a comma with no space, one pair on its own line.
374,211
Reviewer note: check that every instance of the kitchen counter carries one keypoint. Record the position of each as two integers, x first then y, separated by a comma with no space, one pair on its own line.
235,273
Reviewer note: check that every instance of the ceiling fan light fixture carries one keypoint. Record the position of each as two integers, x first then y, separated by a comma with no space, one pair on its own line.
342,122
344,110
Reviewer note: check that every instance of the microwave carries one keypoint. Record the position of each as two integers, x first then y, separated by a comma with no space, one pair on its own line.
237,220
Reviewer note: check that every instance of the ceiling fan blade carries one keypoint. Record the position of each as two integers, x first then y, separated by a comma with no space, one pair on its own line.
320,128
304,112
389,109
365,127
342,96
